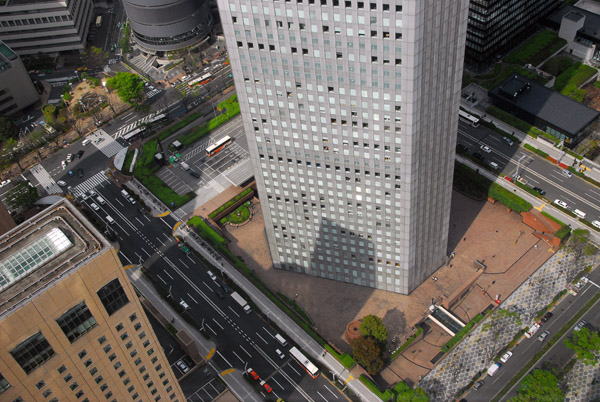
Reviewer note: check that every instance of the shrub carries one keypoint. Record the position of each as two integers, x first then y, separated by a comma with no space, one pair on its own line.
511,200
343,358
536,49
547,215
230,203
535,150
407,343
461,334
563,232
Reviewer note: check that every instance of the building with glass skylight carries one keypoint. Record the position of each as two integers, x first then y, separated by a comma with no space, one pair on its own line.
72,326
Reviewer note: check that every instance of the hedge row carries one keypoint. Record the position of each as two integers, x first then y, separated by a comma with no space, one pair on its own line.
547,215
461,334
535,150
229,203
563,232
407,343
527,188
511,200
574,77
343,358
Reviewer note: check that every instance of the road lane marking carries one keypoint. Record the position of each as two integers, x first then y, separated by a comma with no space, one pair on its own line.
322,396
184,264
158,276
166,273
192,298
223,357
295,371
277,382
144,250
236,355
336,397
233,311
213,331
244,349
216,322
263,339
208,287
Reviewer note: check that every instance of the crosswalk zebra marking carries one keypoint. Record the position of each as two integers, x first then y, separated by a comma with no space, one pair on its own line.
93,182
46,181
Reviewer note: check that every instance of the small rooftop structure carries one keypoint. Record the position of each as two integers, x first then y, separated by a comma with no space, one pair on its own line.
548,110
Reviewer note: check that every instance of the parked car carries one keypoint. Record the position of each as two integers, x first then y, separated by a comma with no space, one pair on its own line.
505,357
131,200
266,386
494,165
252,374
561,204
543,336
92,193
69,157
596,223
485,148
4,183
183,304
539,190
212,276
580,325
225,288
478,156
182,366
280,354
478,385
547,316
80,154
566,173
194,174
508,141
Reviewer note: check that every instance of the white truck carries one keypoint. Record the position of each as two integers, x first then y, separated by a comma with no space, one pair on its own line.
242,302
493,369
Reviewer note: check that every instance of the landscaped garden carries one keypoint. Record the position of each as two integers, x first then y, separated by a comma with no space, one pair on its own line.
239,216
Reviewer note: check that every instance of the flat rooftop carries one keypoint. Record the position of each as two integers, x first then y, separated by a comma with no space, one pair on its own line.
41,250
558,110
591,26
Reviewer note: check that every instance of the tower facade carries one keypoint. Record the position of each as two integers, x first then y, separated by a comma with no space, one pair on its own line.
16,89
351,114
165,25
72,326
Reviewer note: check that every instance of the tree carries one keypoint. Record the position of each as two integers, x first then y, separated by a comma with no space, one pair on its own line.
578,246
8,128
22,195
372,325
368,354
129,87
586,345
404,393
540,382
95,57
124,42
12,152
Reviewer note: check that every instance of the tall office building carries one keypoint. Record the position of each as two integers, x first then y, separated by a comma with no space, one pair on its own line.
166,25
16,89
72,328
495,26
46,26
351,114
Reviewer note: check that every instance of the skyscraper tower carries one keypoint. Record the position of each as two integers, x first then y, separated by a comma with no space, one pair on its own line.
351,113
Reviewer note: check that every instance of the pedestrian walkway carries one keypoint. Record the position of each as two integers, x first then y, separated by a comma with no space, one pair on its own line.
105,143
476,351
153,92
89,184
46,181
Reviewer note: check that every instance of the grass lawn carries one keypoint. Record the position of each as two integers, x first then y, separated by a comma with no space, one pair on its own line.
557,65
570,80
536,49
240,215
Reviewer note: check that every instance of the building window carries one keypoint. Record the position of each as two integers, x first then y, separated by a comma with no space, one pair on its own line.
79,394
119,327
33,352
73,386
47,393
102,339
113,296
76,322
40,384
4,384
68,377
61,369
133,317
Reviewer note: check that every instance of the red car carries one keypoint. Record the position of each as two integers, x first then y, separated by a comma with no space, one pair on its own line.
266,386
252,374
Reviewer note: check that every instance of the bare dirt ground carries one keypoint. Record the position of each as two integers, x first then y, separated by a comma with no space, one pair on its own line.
478,230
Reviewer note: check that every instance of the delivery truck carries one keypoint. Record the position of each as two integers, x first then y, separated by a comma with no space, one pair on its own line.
242,302
493,369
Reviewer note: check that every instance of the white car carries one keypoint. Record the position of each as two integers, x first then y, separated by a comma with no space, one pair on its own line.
561,203
61,183
183,304
94,206
579,326
212,276
508,141
4,183
280,354
84,196
63,164
566,173
486,149
596,223
543,336
182,366
92,193
131,200
505,357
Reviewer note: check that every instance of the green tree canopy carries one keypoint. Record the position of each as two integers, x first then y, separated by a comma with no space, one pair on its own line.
404,393
372,325
22,195
129,87
8,128
367,353
586,345
540,382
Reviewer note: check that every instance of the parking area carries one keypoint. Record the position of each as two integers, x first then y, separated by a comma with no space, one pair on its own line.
203,170
206,392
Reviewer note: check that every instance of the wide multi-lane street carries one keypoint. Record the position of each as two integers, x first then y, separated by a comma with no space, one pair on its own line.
243,340
576,192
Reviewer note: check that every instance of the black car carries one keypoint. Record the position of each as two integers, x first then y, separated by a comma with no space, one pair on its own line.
80,173
80,153
478,156
225,288
194,174
539,190
478,385
219,294
547,316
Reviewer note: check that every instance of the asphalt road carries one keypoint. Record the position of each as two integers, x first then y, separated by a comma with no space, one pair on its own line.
538,172
525,351
243,341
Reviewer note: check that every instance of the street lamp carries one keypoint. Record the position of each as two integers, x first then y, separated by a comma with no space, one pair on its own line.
77,74
104,85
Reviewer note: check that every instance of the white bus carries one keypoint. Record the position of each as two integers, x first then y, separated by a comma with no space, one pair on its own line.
217,146
134,135
310,368
200,80
469,118
157,118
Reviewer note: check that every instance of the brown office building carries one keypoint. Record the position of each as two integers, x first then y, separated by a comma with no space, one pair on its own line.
71,326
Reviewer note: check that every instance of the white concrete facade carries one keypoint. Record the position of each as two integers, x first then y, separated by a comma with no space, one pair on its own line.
351,114
47,26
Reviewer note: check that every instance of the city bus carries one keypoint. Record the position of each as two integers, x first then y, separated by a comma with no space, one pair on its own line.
469,118
157,118
217,146
310,368
200,80
134,135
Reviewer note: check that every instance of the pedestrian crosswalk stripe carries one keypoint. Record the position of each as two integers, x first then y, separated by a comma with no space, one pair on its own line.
89,184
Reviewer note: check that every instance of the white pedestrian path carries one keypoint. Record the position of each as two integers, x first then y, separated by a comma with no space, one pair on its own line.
105,143
46,181
89,184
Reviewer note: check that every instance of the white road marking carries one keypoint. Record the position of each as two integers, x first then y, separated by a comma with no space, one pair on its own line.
208,287
336,397
166,273
295,371
277,382
216,322
137,219
233,311
184,264
161,279
321,395
213,331
263,339
236,355
244,349
222,357
144,250
192,298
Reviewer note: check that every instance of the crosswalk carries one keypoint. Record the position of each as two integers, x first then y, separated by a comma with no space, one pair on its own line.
89,184
105,143
125,129
46,181
152,92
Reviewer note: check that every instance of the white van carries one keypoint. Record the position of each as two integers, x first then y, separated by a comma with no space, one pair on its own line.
85,142
125,194
185,166
580,214
281,339
110,220
100,200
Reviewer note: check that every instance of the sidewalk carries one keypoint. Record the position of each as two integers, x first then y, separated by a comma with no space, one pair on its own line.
273,313
234,380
